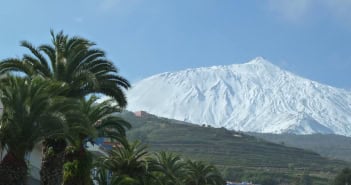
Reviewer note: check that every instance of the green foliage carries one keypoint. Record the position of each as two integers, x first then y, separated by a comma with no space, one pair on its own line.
123,180
129,164
199,173
130,160
80,69
50,152
264,179
70,149
304,179
72,60
169,168
32,111
70,169
344,177
328,145
101,176
132,165
69,67
100,120
231,150
77,166
234,174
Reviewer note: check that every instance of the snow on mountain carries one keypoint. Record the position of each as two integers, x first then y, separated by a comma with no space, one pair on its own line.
256,96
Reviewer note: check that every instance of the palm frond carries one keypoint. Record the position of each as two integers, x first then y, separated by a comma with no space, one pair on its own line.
31,112
15,65
36,52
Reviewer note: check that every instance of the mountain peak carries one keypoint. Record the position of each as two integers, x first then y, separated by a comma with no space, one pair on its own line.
256,96
261,61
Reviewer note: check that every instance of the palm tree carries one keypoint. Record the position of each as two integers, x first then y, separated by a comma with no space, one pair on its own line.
74,61
102,117
128,164
170,168
102,178
32,110
199,173
101,122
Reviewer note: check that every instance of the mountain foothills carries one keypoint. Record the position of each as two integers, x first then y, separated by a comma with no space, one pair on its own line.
239,157
328,145
256,96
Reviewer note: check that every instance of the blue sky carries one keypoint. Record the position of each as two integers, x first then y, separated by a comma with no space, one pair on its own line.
311,38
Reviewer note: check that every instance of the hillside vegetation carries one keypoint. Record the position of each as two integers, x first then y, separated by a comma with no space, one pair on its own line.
240,156
328,145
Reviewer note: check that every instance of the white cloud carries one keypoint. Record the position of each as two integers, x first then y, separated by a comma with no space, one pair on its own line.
109,4
292,10
297,10
341,8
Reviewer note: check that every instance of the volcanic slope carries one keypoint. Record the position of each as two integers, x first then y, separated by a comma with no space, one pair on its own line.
253,97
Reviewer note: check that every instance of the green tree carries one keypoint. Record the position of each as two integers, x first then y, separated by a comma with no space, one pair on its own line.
32,111
304,179
128,164
343,178
170,168
101,122
72,60
83,68
199,173
265,179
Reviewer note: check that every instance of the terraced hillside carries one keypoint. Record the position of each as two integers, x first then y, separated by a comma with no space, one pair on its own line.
235,153
328,145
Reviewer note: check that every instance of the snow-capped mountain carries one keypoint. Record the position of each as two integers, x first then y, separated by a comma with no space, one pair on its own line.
256,96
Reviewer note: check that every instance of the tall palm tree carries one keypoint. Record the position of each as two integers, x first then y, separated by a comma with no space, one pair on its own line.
101,121
199,173
74,61
170,167
128,164
32,110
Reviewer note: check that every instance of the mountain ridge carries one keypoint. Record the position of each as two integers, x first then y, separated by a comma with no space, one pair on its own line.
256,96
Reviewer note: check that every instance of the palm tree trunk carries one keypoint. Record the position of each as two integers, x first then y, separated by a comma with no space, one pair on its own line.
51,172
81,163
13,170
